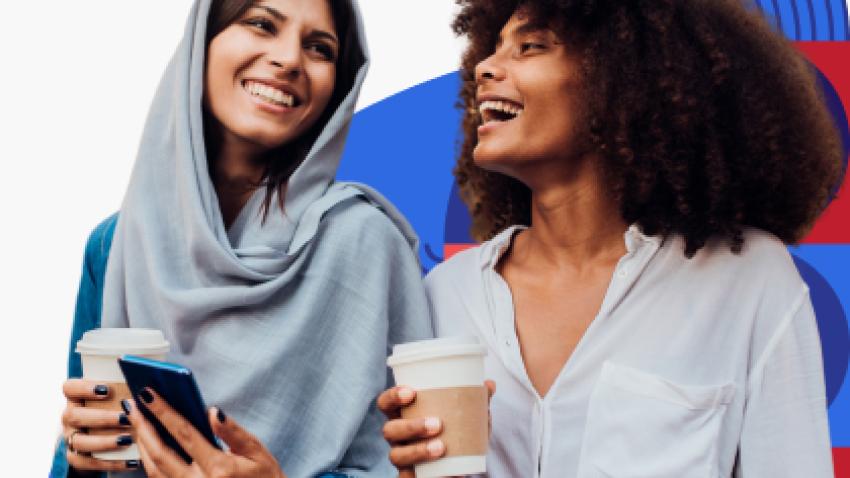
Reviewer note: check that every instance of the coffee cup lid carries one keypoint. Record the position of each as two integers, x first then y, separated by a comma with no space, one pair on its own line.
434,348
121,341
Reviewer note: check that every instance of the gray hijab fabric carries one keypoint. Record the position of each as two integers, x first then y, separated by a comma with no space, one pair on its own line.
286,322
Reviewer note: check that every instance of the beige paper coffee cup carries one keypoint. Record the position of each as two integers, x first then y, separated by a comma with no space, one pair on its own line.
448,376
100,350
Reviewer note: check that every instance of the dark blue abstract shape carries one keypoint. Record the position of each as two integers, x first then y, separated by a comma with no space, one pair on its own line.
832,326
458,220
839,118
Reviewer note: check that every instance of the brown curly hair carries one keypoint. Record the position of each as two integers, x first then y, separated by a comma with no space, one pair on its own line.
706,119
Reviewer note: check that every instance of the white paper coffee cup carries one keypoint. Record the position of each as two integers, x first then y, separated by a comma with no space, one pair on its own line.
100,350
448,376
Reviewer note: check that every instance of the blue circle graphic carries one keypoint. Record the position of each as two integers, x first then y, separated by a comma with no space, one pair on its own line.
832,326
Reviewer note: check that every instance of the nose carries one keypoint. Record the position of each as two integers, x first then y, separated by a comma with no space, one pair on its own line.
488,70
287,69
285,56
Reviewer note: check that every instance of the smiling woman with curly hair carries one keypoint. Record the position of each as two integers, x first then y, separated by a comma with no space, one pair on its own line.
705,120
636,169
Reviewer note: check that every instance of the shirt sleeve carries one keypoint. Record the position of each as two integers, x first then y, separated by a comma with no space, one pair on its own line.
785,428
86,317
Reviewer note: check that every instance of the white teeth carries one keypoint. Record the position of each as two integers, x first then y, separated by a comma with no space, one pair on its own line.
267,93
501,106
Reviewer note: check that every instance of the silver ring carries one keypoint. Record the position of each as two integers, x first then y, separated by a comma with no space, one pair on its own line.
69,442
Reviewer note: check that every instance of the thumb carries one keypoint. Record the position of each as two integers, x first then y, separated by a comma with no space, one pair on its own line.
239,440
491,388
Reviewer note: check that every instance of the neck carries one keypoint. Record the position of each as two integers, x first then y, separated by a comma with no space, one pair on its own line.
574,221
236,172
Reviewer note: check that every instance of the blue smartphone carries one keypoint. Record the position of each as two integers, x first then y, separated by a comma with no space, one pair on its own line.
177,386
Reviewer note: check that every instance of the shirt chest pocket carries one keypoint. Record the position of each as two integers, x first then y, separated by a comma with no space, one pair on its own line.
640,425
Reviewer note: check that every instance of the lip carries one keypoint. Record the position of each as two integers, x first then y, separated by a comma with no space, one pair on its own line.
491,97
488,127
279,85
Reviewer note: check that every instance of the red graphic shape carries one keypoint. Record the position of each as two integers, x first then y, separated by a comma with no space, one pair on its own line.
841,460
451,249
831,59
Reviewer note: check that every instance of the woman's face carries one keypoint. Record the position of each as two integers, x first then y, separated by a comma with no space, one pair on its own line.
270,74
529,98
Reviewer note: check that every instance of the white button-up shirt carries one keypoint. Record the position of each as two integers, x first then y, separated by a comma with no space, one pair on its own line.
702,367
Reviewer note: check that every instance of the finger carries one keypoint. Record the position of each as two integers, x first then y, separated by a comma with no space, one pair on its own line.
198,472
393,399
403,430
158,455
406,472
189,438
421,452
82,417
150,467
78,390
88,463
491,388
85,443
240,441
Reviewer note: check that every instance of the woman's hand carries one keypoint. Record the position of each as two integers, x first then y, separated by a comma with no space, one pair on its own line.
79,421
411,440
247,458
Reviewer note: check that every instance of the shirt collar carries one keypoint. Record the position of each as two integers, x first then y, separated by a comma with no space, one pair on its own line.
492,250
635,239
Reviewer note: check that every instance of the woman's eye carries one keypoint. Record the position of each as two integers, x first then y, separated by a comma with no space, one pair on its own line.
261,23
323,50
528,46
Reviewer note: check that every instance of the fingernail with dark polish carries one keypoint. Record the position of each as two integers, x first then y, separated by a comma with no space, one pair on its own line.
124,440
146,395
221,416
125,404
123,420
101,390
132,464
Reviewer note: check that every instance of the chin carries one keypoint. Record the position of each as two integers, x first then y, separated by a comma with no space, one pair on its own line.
491,160
267,139
272,142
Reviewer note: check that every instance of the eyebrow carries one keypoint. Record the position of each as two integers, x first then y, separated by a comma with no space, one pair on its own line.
525,28
281,17
323,34
272,11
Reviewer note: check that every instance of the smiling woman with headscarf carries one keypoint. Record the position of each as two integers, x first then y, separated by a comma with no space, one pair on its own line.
280,288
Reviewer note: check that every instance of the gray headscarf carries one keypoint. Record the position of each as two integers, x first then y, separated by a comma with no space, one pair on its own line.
287,322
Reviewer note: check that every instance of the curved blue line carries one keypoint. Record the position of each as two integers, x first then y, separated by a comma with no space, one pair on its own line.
788,20
838,9
811,11
798,33
828,9
431,255
769,13
778,15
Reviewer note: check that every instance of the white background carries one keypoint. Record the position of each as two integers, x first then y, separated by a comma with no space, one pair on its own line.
77,78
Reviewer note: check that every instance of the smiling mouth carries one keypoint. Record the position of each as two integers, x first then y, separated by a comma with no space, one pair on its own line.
270,94
499,111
